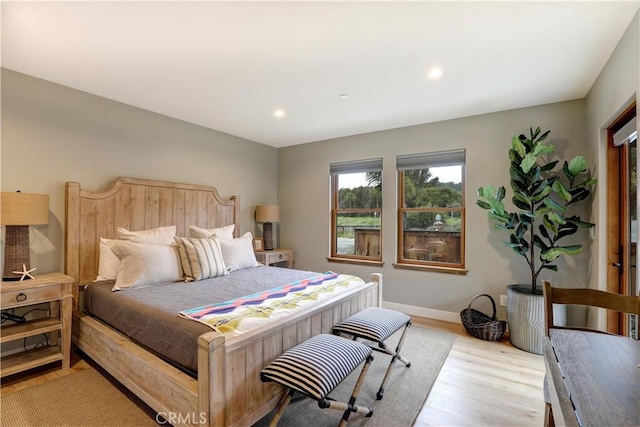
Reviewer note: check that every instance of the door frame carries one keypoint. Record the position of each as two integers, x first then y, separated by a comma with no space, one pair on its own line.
617,230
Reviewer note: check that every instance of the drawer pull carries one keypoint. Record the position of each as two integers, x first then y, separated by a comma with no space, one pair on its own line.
280,256
21,297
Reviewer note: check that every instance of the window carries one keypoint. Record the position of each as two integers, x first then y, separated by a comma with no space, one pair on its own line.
431,211
356,211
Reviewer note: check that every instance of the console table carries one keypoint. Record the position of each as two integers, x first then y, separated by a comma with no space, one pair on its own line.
593,378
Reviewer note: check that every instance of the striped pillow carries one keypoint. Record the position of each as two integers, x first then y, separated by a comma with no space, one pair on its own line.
201,258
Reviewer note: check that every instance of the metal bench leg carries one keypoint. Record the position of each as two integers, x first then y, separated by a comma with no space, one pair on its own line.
395,356
283,405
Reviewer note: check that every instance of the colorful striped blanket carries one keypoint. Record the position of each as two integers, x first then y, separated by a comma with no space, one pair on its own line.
243,314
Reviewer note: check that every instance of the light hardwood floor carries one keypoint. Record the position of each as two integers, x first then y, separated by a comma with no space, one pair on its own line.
484,384
480,384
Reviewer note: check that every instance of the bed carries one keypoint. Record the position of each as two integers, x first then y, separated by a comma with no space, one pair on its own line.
226,389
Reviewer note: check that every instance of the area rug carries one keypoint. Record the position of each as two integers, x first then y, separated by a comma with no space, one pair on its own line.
85,398
405,392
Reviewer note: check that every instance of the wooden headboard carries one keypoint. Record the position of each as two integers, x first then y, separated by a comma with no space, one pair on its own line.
136,204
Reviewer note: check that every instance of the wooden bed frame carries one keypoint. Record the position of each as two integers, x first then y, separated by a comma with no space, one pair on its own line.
228,390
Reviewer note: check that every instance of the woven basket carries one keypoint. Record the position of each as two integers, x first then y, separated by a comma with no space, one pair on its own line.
480,325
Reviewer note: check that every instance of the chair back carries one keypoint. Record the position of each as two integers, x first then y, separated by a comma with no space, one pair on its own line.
584,296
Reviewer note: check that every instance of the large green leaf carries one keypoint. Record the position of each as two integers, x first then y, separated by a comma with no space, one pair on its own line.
482,204
514,157
544,232
516,174
522,197
577,165
566,230
549,202
497,217
526,142
550,225
550,255
553,253
526,219
550,267
579,195
561,190
555,218
576,220
545,192
517,146
528,162
567,173
549,166
543,149
588,183
534,175
520,204
542,209
518,186
487,191
543,136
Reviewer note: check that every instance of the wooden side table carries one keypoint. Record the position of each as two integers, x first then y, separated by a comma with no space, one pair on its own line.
276,258
52,288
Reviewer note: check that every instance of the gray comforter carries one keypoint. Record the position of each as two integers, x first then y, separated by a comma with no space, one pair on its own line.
150,317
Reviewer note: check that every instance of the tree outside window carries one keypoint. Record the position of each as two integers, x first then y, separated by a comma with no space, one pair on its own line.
356,210
431,210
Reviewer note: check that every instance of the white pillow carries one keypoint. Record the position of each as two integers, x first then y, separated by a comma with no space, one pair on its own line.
145,264
159,235
109,263
222,233
238,253
201,258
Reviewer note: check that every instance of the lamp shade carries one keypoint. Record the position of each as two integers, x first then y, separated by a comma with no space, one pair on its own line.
24,209
269,213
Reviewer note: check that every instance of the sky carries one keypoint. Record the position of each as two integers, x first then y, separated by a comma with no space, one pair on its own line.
445,173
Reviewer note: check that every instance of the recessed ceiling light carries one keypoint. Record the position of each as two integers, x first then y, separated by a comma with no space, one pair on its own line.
435,73
343,96
278,113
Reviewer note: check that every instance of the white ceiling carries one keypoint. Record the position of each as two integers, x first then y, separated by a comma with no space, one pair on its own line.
229,65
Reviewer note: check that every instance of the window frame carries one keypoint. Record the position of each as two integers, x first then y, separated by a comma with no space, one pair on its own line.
336,170
438,159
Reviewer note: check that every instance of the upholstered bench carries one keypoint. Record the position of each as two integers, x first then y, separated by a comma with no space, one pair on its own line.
377,324
315,367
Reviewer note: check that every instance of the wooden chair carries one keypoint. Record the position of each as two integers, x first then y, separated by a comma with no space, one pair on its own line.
584,296
580,296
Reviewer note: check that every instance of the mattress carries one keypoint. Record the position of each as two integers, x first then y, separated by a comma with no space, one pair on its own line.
149,315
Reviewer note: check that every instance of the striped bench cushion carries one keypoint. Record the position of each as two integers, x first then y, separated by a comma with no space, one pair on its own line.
316,366
374,323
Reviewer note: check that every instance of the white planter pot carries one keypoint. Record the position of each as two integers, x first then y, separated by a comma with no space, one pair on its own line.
525,316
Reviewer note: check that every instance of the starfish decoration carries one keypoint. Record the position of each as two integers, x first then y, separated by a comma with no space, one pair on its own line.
25,272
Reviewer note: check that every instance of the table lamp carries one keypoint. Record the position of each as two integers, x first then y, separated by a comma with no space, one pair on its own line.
267,215
18,212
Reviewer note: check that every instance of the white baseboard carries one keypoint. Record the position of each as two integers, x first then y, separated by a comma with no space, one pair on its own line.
429,313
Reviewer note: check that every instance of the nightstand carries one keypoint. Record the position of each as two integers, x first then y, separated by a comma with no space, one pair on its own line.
52,288
276,258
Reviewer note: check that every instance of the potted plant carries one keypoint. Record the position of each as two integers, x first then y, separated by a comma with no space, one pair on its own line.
537,230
